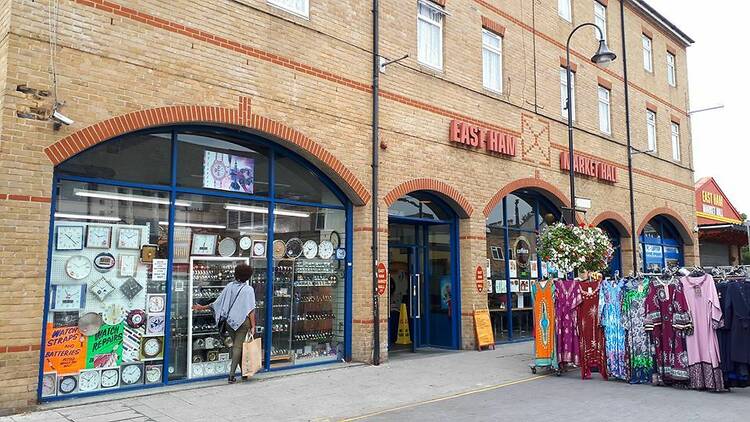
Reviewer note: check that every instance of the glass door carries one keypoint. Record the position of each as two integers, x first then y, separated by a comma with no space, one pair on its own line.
437,289
403,298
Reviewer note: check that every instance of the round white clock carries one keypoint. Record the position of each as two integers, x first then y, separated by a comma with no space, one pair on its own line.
110,377
68,384
245,243
227,246
259,249
310,249
78,267
89,380
114,314
152,347
325,250
131,374
153,374
197,370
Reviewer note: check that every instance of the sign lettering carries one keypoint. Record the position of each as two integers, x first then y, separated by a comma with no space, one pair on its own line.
382,278
480,138
589,167
712,198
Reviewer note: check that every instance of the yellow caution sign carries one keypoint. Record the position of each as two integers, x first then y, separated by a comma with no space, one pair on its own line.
403,326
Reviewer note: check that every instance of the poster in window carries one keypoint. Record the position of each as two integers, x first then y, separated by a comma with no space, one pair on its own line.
228,172
534,269
445,293
65,350
513,268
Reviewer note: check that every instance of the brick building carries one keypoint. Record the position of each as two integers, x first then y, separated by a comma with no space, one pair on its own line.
215,131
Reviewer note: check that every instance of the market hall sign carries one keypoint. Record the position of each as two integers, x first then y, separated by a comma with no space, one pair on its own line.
589,167
480,138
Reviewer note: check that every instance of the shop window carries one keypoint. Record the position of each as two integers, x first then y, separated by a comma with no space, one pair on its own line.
417,205
141,158
107,310
661,245
299,183
430,34
219,162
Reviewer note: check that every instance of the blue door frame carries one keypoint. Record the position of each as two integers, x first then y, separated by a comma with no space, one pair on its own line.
173,189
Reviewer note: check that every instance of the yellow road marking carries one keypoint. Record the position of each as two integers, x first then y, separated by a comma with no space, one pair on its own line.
439,399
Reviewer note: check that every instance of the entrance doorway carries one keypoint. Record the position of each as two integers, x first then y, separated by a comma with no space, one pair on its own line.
422,262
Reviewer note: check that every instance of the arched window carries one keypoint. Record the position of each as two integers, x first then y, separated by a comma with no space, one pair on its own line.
661,245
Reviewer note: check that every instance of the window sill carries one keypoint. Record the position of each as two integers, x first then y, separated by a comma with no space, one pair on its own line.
430,68
275,7
496,94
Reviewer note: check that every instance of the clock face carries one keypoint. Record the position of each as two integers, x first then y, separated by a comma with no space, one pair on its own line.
245,243
104,262
197,370
227,246
102,288
310,249
49,384
259,248
69,238
99,237
153,374
209,369
114,314
335,239
129,238
68,384
204,244
130,288
128,265
136,318
156,303
110,377
155,324
279,247
326,249
152,347
89,380
340,253
131,374
293,248
78,267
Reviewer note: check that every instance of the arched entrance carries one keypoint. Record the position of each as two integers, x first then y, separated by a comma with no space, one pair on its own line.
661,245
615,265
150,223
512,227
423,267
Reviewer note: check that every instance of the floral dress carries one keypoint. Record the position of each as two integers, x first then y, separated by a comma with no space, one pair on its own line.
610,310
567,298
544,323
590,329
641,360
668,321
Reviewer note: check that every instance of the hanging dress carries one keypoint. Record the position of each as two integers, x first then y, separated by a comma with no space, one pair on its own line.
668,320
640,357
544,323
702,345
610,305
567,295
590,330
737,324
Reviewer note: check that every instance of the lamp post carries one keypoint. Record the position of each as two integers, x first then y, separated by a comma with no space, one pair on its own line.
603,56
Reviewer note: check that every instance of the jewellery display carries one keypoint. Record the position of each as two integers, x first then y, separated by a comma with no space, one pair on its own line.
136,318
104,262
132,373
227,246
129,238
114,314
68,238
212,355
293,248
110,378
78,267
101,288
310,249
65,318
279,248
90,324
130,288
128,265
204,244
99,237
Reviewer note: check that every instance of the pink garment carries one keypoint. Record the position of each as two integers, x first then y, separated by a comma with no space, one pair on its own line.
703,302
567,299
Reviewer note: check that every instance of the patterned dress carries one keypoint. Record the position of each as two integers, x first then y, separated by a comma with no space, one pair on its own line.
567,298
610,310
544,323
641,360
668,321
702,345
590,329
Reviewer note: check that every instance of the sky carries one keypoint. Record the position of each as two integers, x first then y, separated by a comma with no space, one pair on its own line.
719,148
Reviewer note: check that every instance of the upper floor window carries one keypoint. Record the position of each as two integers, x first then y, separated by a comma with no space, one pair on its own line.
676,154
492,61
430,34
298,7
565,10
648,60
605,121
671,72
651,130
600,19
564,93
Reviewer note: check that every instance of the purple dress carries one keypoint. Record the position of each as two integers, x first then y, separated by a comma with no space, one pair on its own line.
567,299
668,321
703,345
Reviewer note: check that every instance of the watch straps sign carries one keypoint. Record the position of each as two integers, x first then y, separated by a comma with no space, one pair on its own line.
65,350
382,278
480,278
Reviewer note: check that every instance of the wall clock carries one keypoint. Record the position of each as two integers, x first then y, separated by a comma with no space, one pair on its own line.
130,288
259,249
227,246
89,380
78,267
110,377
136,318
114,314
245,243
128,265
49,384
129,238
131,374
208,369
102,288
67,384
335,239
204,244
156,304
90,323
293,248
326,249
155,324
104,262
99,237
68,297
152,347
154,374
197,371
69,238
148,253
310,249
212,355
279,248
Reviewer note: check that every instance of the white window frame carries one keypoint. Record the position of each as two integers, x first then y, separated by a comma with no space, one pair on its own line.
651,131
429,21
605,111
564,94
648,52
671,69
493,50
287,6
600,19
676,150
565,9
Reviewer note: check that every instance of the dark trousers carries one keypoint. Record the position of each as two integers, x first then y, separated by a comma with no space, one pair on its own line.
239,338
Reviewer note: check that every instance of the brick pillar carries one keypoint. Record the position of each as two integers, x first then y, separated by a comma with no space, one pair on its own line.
473,252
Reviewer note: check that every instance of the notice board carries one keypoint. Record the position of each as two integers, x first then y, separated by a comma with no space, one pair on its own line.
483,328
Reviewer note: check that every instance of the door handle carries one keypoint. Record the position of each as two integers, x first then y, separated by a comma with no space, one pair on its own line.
418,294
413,288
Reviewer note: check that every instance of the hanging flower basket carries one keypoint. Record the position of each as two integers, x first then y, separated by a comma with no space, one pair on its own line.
575,248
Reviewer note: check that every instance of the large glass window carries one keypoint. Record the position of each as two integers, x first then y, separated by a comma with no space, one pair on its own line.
430,34
296,182
298,7
661,245
565,10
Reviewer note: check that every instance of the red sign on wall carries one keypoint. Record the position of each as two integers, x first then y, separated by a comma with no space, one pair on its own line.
476,137
480,278
589,167
382,278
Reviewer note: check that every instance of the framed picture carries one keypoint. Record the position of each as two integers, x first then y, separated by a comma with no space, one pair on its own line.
204,244
98,237
129,238
525,286
128,265
534,269
69,238
515,286
68,297
513,268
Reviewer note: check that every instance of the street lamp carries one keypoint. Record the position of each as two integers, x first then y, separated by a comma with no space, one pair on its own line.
603,56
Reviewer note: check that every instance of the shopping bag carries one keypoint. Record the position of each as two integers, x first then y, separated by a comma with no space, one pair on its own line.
251,356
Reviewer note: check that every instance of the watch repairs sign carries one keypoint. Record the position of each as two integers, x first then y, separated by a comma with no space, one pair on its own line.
105,347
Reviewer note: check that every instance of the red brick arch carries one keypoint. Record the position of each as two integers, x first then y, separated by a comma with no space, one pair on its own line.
240,117
616,219
550,190
675,218
457,201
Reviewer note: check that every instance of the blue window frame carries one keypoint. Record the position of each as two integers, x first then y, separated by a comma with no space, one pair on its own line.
661,245
614,236
156,156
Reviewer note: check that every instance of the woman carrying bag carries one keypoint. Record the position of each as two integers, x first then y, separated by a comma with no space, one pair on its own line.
234,311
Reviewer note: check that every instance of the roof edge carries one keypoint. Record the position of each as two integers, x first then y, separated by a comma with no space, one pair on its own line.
659,18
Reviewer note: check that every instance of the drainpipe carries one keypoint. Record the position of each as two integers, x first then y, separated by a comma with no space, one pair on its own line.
375,168
633,234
